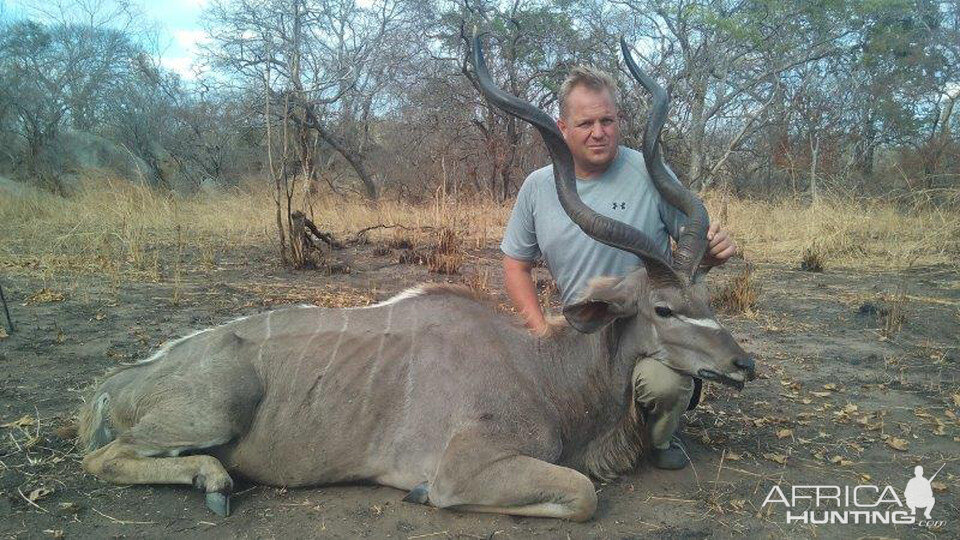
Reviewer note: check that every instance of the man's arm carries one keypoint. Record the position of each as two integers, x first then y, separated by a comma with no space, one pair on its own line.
518,278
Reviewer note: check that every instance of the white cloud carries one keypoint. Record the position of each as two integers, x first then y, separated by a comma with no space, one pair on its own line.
188,40
191,4
182,65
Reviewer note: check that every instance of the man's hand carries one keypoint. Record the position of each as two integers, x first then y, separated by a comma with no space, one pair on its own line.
721,247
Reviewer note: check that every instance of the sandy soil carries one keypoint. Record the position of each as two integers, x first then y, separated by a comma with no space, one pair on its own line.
837,403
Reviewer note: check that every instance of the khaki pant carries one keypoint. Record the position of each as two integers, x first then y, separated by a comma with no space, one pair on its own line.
664,394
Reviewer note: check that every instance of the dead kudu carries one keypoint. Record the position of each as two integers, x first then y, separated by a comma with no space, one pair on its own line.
433,391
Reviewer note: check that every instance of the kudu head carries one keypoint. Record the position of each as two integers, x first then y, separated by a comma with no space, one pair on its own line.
661,310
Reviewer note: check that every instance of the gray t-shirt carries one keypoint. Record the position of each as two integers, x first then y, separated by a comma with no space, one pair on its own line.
538,225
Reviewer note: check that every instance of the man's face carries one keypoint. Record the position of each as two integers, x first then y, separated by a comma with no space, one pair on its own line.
591,129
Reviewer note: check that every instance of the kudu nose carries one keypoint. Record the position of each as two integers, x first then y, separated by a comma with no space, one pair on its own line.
747,364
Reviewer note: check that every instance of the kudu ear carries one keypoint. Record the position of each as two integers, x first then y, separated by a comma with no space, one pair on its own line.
605,300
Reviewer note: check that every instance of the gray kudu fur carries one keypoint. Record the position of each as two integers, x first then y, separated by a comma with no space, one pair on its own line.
432,391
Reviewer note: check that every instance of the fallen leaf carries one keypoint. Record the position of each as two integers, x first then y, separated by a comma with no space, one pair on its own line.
850,408
784,433
3,333
838,460
865,477
821,394
830,386
897,444
39,493
956,399
44,296
25,420
733,456
776,458
938,486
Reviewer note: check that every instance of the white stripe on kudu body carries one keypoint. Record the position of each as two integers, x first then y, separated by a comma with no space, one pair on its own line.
383,337
409,293
336,347
706,323
165,348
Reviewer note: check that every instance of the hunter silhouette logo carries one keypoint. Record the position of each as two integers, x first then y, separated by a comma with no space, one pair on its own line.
919,493
858,505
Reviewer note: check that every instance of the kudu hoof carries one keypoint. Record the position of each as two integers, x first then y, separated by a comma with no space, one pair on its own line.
219,503
418,495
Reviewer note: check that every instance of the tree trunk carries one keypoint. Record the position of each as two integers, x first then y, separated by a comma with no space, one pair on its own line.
355,161
945,115
506,172
697,132
814,158
867,146
298,237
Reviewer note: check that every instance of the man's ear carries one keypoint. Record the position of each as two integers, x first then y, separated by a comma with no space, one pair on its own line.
605,300
562,126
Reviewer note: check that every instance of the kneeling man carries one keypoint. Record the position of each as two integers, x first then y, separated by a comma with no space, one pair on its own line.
613,181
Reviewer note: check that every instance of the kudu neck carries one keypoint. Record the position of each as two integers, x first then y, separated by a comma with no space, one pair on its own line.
586,374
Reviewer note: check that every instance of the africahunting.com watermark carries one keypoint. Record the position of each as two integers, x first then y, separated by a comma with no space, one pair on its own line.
862,504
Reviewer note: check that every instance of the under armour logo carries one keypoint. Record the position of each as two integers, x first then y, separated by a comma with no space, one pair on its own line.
620,206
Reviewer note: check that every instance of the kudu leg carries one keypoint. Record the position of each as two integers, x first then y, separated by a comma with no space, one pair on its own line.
473,477
199,406
120,463
521,486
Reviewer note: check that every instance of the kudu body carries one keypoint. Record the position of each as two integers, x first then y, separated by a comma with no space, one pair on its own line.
433,391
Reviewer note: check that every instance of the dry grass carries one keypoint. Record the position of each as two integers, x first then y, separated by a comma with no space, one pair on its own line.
895,314
447,255
113,227
401,239
814,258
117,229
844,233
739,294
479,281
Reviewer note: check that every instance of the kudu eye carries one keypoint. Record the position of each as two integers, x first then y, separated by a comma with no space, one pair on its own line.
663,311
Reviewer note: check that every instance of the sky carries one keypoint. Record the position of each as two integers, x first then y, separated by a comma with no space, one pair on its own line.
180,26
177,23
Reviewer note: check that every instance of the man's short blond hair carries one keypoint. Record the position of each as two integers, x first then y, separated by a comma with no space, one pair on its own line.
590,77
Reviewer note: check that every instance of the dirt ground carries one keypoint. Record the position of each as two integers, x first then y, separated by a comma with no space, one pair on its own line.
843,399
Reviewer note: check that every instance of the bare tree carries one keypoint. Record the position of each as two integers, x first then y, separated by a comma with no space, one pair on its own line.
327,58
722,60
